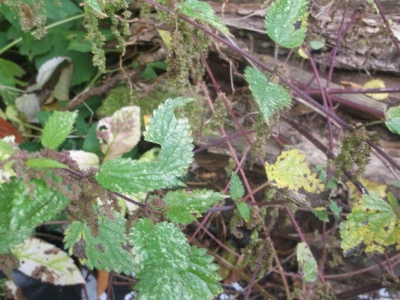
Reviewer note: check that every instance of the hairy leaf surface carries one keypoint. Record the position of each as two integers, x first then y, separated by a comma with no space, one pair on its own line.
286,22
373,223
128,176
202,11
269,96
107,251
21,211
57,128
236,188
161,252
44,261
183,207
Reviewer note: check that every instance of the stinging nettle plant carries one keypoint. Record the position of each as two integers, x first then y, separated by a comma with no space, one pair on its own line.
38,187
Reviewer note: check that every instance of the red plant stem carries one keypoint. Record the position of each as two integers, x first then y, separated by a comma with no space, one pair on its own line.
283,79
353,91
219,242
314,67
334,50
396,44
256,270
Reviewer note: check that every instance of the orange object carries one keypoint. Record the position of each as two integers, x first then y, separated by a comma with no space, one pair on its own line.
7,129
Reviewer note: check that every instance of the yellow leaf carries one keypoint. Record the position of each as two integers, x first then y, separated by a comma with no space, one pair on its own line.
376,84
292,172
302,53
371,186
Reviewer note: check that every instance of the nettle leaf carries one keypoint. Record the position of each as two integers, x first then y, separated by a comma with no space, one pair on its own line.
41,163
307,263
119,133
107,251
21,210
269,96
321,214
204,12
94,4
236,188
244,211
57,128
128,176
392,119
44,261
286,22
373,223
182,272
183,207
5,149
292,171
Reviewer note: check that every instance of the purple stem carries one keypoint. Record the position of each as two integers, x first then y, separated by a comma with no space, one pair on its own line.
283,79
396,44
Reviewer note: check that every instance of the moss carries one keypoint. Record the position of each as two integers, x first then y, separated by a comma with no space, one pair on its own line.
116,99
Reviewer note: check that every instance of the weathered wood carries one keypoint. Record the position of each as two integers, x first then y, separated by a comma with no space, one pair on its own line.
366,46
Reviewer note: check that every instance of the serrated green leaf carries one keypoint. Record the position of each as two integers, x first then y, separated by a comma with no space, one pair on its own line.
244,211
44,261
5,149
321,214
286,22
307,262
236,188
316,45
373,223
22,210
184,208
127,176
392,119
335,209
270,97
204,12
57,128
161,251
107,251
41,163
94,4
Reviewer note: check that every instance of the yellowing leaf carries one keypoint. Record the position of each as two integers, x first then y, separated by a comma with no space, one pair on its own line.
119,133
373,224
376,84
371,186
302,53
292,172
46,262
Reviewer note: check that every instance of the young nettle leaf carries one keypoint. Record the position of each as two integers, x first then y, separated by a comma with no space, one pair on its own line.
307,263
107,251
202,11
44,261
269,96
21,211
57,128
183,207
128,176
182,272
373,223
292,172
321,214
236,188
119,133
286,22
5,149
244,211
336,209
41,163
392,119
